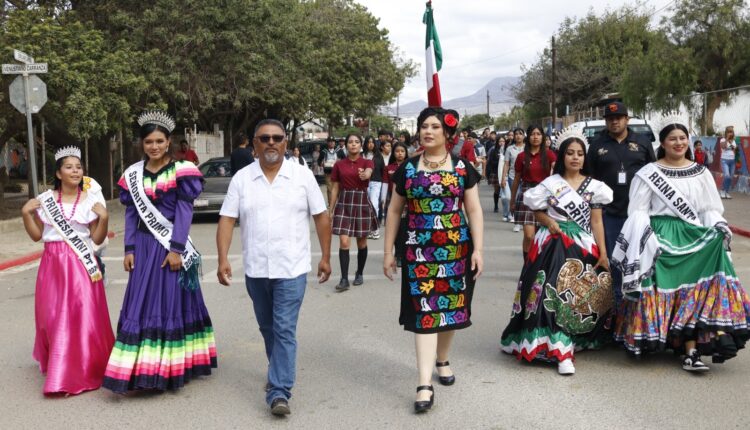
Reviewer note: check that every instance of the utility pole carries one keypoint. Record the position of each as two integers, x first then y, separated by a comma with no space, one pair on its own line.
554,85
488,102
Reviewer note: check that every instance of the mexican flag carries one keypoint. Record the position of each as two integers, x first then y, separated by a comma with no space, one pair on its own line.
434,59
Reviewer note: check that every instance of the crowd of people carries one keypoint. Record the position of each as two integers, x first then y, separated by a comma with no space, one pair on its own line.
620,246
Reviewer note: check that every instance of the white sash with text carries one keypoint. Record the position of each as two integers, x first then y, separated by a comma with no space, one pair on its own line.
159,226
82,247
569,201
669,194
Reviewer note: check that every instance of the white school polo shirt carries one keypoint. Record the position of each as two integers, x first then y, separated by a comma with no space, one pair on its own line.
274,218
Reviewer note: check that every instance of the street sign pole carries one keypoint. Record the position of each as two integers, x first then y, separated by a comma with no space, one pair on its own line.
30,130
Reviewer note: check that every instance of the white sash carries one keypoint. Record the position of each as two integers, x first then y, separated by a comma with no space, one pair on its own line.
159,226
669,194
80,246
567,200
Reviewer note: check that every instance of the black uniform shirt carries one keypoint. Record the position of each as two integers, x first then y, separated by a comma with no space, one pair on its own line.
606,158
240,158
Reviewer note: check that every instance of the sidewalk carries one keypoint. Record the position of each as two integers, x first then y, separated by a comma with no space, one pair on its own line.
737,213
17,249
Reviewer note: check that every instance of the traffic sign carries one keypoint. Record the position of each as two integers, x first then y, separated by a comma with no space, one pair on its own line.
37,94
22,57
19,69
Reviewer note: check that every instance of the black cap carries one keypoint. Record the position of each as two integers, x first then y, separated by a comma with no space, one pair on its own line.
330,139
615,109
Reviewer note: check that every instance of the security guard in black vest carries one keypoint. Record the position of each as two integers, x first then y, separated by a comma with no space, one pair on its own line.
613,158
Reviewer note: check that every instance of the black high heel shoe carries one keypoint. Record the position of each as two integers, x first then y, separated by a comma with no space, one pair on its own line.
445,380
424,405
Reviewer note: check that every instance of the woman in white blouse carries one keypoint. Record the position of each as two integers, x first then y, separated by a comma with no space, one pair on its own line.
564,299
681,288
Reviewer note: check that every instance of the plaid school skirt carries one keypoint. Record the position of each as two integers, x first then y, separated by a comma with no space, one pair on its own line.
353,215
523,215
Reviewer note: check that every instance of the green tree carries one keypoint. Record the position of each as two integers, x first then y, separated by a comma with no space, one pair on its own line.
712,39
592,53
476,121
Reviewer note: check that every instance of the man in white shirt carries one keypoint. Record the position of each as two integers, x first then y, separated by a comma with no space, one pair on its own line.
273,199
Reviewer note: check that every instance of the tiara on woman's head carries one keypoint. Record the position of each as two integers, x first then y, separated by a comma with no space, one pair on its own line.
157,117
68,151
571,132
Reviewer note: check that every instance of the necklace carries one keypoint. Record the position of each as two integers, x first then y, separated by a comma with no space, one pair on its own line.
434,164
75,204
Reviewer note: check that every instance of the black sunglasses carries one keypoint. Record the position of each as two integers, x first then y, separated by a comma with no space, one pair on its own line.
266,138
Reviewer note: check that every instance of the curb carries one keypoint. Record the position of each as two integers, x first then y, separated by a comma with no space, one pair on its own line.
28,258
740,231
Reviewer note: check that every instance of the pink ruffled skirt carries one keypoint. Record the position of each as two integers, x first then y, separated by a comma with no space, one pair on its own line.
73,331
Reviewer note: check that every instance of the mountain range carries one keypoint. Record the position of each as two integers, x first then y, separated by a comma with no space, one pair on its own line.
501,100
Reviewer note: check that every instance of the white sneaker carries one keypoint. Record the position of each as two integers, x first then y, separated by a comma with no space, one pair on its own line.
693,363
376,234
727,196
566,367
505,219
516,228
722,194
510,218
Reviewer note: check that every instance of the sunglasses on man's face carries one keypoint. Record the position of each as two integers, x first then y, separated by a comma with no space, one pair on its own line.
266,138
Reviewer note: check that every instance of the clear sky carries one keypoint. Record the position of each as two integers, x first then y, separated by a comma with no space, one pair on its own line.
483,39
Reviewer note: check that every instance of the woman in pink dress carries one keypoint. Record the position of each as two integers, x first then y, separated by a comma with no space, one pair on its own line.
73,331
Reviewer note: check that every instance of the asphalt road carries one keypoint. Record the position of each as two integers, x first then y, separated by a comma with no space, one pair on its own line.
356,366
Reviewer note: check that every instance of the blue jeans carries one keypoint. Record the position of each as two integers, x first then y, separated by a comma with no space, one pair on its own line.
373,192
612,227
727,169
505,199
276,303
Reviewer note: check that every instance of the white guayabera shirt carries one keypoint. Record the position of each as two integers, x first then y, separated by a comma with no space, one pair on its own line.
274,218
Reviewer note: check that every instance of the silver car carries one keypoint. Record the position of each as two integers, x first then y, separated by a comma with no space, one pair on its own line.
217,174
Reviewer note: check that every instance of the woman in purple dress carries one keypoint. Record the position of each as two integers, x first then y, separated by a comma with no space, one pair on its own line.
164,336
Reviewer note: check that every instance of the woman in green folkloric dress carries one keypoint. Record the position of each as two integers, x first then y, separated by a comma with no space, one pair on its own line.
443,251
680,286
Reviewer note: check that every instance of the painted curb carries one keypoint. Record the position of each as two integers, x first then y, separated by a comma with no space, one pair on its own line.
740,231
28,258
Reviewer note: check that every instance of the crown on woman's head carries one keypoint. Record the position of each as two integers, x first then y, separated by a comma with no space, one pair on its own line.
68,151
157,117
669,120
570,132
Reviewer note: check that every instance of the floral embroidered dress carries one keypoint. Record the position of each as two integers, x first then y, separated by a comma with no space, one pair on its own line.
561,305
678,279
436,283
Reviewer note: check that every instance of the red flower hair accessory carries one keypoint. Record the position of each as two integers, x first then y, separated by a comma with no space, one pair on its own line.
450,120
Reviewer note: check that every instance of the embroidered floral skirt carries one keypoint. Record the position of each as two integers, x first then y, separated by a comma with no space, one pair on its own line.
691,295
561,305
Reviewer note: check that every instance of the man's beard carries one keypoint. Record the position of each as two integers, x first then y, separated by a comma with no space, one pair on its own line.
271,157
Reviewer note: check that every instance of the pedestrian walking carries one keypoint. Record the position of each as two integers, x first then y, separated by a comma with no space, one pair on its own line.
564,299
242,155
317,169
274,199
353,214
164,336
73,331
495,164
532,166
614,157
728,163
386,151
681,289
400,154
375,185
297,157
509,168
185,153
443,250
327,159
